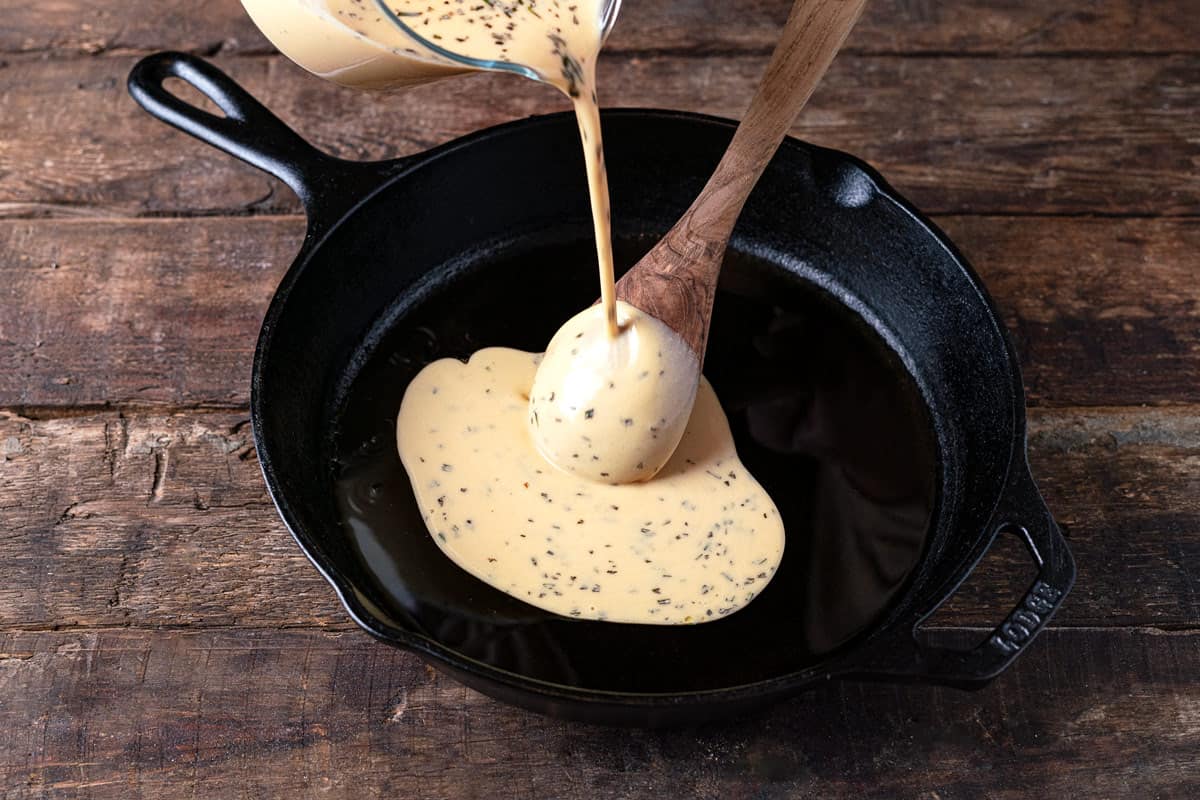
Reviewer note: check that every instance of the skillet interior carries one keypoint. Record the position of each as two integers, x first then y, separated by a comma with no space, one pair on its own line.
820,236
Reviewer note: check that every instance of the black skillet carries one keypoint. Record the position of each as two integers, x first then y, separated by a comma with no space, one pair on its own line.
869,383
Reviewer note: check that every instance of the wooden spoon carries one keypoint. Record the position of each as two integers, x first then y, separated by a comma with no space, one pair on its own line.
677,279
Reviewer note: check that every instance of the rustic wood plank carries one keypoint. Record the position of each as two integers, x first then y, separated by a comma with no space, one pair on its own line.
142,714
1005,135
124,523
895,26
1104,312
163,520
132,487
151,311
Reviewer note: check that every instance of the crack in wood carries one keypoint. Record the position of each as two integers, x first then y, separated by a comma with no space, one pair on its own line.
160,469
115,446
67,514
114,601
399,706
47,413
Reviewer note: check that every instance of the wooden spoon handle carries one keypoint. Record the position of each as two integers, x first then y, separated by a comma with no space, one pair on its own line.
677,279
814,32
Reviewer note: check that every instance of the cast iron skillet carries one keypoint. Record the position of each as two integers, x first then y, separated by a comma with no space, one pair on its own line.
869,383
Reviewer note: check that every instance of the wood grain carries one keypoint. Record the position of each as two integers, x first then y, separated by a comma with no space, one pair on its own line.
143,312
1099,310
165,313
160,634
252,713
150,520
1004,135
75,27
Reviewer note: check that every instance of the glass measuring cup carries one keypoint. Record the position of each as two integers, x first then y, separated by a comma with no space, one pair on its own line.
365,44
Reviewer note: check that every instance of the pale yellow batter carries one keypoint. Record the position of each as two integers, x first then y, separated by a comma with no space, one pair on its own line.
696,543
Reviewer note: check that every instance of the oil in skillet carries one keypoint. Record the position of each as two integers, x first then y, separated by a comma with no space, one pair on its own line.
855,488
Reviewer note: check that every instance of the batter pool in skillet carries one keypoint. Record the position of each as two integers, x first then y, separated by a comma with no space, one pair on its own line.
696,543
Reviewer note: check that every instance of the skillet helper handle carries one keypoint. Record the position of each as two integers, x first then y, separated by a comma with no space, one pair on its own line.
1023,512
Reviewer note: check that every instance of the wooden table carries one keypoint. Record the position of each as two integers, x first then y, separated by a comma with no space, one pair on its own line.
161,635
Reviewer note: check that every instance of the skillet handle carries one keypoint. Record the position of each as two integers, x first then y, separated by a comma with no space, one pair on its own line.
251,133
1022,511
